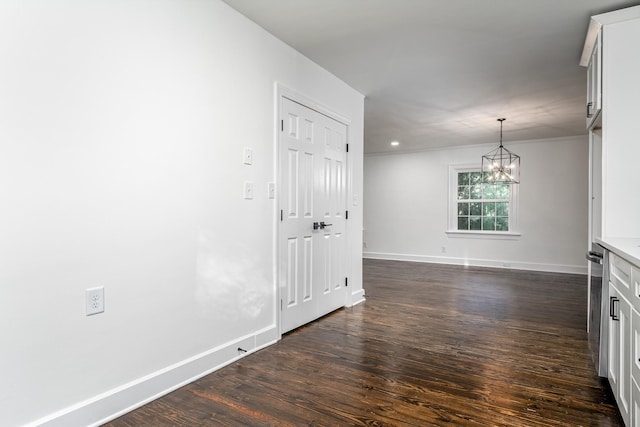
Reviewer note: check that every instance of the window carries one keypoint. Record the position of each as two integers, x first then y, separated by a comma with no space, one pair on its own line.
479,207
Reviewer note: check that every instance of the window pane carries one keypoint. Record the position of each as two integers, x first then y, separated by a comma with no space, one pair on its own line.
489,191
489,223
463,223
502,191
502,224
481,205
463,192
476,191
475,223
463,178
475,178
502,209
489,209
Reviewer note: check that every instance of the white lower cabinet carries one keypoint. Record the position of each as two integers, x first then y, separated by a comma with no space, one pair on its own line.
635,345
635,403
635,367
620,351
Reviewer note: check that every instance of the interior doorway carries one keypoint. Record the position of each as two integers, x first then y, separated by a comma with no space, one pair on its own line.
312,179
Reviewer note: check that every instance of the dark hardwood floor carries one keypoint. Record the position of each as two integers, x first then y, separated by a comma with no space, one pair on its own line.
433,345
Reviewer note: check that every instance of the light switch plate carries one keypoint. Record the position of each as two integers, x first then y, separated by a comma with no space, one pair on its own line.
272,190
248,190
247,156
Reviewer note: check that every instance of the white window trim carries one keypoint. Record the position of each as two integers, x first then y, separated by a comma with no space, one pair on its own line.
452,228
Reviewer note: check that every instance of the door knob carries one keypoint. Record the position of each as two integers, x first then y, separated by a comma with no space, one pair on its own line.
320,225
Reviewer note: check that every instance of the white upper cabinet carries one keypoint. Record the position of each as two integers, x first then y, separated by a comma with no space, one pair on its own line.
613,116
594,83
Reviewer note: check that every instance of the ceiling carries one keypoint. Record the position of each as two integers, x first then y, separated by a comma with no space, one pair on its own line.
438,73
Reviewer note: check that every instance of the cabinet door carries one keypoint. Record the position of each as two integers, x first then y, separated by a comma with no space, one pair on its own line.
594,84
620,351
635,404
614,341
635,345
624,378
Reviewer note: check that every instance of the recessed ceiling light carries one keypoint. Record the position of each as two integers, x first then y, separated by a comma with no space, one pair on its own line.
394,143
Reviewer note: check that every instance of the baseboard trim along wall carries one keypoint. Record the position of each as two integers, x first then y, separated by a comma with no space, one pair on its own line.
515,265
357,297
119,401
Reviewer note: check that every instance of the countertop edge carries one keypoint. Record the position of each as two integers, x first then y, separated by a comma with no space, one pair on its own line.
626,247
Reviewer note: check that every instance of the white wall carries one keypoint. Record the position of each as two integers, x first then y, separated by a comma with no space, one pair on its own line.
620,147
122,125
406,197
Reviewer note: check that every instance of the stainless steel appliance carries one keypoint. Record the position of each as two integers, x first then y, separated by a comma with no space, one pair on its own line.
598,297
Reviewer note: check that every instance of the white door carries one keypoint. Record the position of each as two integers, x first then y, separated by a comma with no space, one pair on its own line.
311,236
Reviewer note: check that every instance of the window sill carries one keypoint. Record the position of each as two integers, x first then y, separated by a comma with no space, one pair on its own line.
507,235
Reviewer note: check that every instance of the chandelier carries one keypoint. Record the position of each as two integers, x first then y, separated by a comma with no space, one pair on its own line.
501,165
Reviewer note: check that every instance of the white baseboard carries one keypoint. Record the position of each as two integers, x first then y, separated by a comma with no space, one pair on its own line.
117,402
516,265
357,297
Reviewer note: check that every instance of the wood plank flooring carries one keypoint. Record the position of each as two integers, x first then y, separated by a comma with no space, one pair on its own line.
433,345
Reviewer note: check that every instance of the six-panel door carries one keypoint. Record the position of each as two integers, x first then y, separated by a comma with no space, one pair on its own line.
312,244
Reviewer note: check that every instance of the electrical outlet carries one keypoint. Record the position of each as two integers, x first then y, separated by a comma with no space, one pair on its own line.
94,300
443,249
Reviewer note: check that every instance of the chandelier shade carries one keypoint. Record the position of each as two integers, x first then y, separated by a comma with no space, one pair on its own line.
501,165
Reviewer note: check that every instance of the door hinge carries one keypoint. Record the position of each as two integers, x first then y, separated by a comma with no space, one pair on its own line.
347,148
281,125
281,215
346,281
346,215
280,305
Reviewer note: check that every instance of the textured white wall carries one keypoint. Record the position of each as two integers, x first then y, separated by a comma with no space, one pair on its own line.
122,125
406,197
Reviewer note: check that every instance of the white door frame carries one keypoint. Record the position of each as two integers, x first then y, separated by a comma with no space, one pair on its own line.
281,92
